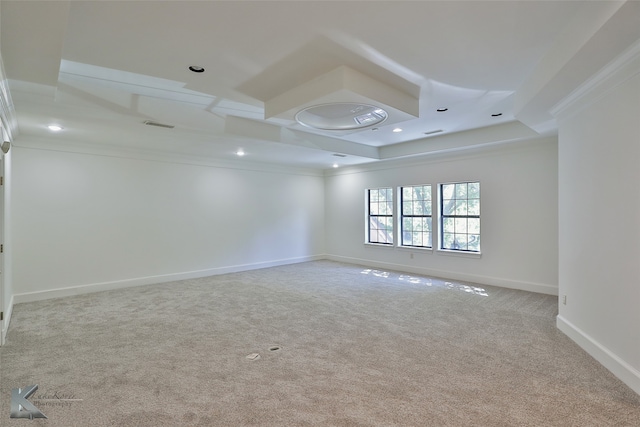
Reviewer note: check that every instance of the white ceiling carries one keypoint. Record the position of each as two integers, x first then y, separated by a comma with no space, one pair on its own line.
101,68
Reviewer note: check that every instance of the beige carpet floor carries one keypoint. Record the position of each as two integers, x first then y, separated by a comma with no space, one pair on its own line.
313,344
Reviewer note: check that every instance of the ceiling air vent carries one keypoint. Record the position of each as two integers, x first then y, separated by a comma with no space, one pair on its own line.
160,125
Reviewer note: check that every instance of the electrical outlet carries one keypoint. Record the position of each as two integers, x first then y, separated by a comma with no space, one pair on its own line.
411,256
564,299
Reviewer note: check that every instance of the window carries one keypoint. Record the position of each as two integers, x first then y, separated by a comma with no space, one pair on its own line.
415,216
380,216
460,216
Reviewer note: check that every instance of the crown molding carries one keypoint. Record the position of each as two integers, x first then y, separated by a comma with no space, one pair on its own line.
618,71
37,143
7,110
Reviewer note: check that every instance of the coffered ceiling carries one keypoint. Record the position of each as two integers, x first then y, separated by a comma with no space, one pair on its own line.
452,74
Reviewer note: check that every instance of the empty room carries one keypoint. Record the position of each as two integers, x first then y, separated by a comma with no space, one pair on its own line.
319,213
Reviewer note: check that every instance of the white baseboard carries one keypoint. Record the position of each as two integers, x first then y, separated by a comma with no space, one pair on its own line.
540,288
6,322
140,281
621,369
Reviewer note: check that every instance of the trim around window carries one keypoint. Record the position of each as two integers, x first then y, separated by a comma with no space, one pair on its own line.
459,217
379,226
457,253
414,217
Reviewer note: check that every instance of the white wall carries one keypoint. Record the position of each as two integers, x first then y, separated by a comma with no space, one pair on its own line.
8,128
7,264
519,220
84,219
599,236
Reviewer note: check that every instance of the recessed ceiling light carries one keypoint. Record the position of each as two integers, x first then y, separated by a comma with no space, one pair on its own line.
196,69
496,115
396,130
240,152
335,165
341,116
442,110
54,128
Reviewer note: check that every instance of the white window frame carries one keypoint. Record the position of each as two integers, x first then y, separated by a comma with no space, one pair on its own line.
464,222
388,212
401,218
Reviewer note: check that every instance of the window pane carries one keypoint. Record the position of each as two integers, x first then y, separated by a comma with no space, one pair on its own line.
407,208
461,241
422,192
426,206
373,209
460,216
447,241
473,207
380,235
375,235
416,214
473,225
387,222
406,193
406,239
461,225
416,192
449,225
380,214
448,207
417,239
474,190
427,240
448,191
417,209
474,242
461,191
382,209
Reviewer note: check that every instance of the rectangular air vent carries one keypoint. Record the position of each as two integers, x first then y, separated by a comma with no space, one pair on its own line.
160,125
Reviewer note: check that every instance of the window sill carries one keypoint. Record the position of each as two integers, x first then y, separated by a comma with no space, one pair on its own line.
379,245
459,253
415,249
